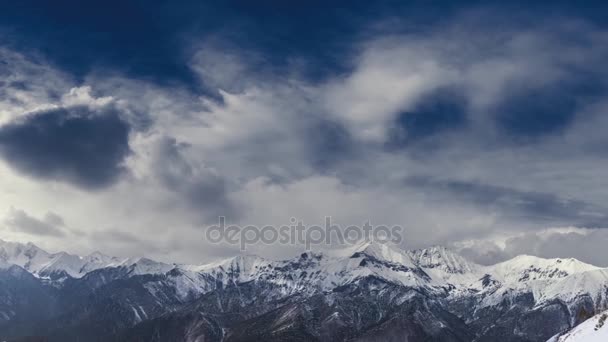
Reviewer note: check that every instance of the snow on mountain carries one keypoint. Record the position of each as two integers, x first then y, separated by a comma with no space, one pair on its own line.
545,279
441,258
139,266
27,255
593,283
56,265
429,267
525,268
244,267
384,252
447,268
523,283
435,268
594,329
327,271
62,262
310,271
550,290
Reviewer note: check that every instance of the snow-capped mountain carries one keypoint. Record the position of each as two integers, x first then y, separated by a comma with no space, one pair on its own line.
58,265
42,263
438,257
365,292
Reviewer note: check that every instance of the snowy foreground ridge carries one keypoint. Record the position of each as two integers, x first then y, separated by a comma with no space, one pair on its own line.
594,329
364,292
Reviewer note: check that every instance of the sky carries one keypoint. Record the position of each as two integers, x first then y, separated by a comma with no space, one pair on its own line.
131,126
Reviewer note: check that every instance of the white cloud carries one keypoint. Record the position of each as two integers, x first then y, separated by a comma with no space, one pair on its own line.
81,96
253,150
28,84
585,244
389,77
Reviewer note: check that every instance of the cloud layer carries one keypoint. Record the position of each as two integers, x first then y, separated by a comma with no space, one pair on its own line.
460,131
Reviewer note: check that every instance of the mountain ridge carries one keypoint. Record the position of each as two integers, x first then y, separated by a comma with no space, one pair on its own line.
461,300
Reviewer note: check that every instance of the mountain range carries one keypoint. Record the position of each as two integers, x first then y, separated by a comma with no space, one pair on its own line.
367,292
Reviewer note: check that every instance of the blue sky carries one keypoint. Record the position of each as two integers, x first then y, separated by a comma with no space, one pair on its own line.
129,126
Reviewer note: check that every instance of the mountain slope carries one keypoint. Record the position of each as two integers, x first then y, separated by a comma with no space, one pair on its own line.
366,292
23,296
592,330
59,265
51,265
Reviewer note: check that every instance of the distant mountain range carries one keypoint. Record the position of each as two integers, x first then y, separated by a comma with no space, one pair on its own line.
369,292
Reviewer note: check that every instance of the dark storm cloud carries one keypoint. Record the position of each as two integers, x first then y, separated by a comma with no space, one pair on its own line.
513,204
20,221
68,144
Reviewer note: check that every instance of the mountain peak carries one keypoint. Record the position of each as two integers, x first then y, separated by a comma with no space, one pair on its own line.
382,251
44,264
97,255
442,258
528,267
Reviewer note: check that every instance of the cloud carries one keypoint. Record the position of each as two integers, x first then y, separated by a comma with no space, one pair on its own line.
72,144
390,76
54,219
20,221
457,131
27,84
525,81
585,244
482,252
507,203
199,186
411,135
